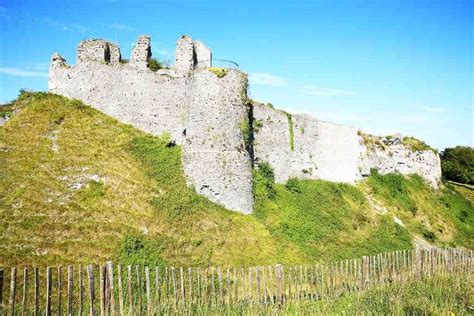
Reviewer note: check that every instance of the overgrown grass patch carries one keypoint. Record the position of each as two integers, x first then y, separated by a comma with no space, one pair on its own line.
444,217
325,220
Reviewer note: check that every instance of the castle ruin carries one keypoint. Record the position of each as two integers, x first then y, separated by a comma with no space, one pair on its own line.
205,113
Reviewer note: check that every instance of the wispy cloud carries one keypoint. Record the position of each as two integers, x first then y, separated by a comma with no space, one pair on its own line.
415,118
434,109
263,79
120,27
162,52
41,66
64,26
4,13
21,72
324,91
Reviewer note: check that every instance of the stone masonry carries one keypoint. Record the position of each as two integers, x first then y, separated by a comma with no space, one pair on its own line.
204,113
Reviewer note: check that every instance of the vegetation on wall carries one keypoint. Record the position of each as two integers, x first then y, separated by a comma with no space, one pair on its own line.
244,127
219,72
154,64
370,141
292,132
457,164
416,144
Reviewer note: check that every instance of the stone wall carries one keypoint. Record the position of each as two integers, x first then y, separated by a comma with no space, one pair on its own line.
198,109
205,114
214,151
328,151
392,156
320,150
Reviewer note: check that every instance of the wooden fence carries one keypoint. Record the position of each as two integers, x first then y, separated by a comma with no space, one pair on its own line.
110,289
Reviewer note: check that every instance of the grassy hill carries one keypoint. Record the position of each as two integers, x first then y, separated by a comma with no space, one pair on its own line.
78,186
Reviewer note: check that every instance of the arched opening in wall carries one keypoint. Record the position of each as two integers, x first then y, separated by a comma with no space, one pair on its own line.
107,54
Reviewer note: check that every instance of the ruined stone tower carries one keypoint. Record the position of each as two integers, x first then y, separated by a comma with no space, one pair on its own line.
200,111
204,113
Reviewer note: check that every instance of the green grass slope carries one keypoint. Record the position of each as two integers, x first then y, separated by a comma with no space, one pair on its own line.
76,186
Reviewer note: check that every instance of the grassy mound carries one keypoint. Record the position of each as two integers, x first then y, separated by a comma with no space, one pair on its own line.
78,186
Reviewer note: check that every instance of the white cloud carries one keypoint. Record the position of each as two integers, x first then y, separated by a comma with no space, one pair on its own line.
120,27
41,66
22,72
434,109
162,52
323,91
64,26
263,79
4,13
415,118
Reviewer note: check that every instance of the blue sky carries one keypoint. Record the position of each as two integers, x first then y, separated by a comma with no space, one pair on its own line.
382,66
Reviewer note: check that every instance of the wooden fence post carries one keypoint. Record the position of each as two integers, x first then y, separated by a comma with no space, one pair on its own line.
60,288
190,282
49,281
148,291
120,289
70,283
183,294
279,283
81,290
229,287
102,290
130,290
139,290
25,291
175,289
1,292
250,285
110,274
11,302
37,292
158,287
90,275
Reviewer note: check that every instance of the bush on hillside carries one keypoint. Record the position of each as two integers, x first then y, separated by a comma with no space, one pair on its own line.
457,164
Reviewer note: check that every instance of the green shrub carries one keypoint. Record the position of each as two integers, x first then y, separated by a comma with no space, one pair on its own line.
266,176
293,185
457,164
154,64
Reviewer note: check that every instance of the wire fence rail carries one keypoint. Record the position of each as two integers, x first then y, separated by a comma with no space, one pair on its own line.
141,290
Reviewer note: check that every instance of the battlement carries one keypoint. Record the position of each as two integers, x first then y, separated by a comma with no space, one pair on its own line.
190,55
205,113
